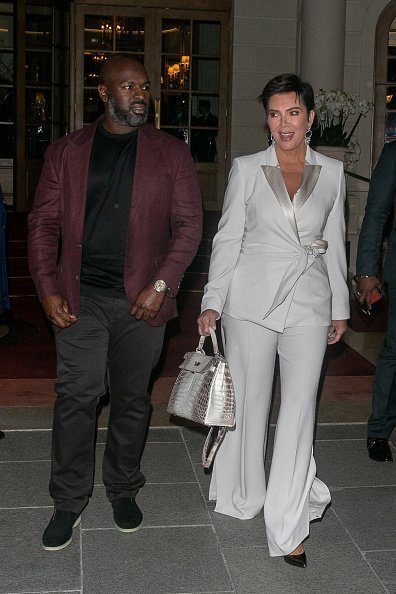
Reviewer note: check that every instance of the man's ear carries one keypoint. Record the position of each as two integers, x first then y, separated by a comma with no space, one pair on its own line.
103,93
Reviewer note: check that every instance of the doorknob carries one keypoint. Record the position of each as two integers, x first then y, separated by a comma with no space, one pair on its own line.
157,107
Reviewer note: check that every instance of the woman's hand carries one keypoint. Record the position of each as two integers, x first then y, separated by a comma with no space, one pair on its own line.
207,320
336,330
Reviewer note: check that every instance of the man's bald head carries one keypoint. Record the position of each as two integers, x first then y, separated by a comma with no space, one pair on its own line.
116,62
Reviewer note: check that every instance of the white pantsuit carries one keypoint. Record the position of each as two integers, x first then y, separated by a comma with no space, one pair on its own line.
278,277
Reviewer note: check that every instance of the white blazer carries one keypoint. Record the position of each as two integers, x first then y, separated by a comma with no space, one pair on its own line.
277,262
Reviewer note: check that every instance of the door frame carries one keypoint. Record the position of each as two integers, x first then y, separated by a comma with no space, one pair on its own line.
212,176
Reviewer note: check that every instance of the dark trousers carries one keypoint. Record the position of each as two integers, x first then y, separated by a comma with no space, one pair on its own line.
383,417
105,348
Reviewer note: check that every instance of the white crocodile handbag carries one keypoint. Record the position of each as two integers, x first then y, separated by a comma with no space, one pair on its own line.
204,393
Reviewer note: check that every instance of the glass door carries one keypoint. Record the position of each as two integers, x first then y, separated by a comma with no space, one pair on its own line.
186,56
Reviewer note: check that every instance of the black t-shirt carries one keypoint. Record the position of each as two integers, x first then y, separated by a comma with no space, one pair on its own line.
110,181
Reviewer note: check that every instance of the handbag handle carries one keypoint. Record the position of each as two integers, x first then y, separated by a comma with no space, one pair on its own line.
214,342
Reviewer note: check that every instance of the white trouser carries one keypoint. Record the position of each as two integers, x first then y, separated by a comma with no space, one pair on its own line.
293,495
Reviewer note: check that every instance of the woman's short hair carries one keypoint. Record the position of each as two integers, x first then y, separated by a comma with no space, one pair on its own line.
288,83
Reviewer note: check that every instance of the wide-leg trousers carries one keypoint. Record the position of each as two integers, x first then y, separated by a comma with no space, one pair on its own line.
106,348
293,495
383,417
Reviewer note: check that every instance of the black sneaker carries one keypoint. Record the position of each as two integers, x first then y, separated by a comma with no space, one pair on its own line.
59,532
127,514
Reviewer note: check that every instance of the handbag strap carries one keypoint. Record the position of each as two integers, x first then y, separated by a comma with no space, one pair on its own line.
211,445
214,342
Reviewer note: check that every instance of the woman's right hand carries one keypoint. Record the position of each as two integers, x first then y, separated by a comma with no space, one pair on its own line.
207,320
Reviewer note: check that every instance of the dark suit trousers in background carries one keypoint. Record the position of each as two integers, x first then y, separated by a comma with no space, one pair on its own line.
106,347
383,418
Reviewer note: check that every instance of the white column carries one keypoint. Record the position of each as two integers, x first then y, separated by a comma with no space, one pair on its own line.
323,43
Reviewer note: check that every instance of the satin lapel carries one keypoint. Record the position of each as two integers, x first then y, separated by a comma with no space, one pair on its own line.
147,157
275,180
309,180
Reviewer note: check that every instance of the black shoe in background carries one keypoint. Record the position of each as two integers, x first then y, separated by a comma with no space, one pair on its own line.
379,450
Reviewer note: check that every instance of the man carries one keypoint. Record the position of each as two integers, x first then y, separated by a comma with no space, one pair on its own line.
381,199
121,199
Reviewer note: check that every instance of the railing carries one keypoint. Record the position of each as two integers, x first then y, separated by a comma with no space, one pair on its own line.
356,176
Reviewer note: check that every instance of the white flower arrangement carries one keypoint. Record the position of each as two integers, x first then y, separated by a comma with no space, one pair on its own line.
333,109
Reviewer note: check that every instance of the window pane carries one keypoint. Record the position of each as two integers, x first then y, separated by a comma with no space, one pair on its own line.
6,104
38,31
38,106
6,141
98,32
390,125
129,34
6,31
204,122
206,38
92,63
93,106
391,76
391,98
6,68
38,67
205,75
175,72
38,138
176,36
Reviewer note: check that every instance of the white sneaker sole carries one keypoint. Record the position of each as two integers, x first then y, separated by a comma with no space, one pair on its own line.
65,544
128,529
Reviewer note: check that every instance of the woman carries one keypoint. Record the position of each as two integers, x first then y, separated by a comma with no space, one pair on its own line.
277,278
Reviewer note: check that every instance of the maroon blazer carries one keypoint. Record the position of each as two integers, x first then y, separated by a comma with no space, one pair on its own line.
165,221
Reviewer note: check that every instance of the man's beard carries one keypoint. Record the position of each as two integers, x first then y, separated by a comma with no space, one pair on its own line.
124,116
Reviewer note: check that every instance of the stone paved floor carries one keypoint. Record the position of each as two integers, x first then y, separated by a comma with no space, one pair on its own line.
183,545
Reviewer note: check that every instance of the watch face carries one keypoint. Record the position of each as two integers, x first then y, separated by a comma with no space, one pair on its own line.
160,285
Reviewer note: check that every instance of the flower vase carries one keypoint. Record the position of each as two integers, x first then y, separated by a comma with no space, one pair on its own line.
335,152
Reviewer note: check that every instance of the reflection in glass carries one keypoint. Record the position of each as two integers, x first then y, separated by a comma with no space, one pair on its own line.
176,36
206,38
6,104
6,68
205,75
175,72
129,34
98,32
92,63
6,31
38,27
93,106
6,141
38,67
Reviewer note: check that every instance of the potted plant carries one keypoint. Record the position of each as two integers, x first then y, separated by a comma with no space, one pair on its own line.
333,110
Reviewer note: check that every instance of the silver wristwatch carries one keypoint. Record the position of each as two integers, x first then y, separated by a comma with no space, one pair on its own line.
160,286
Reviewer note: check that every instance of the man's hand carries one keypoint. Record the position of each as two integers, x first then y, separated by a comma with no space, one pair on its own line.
365,286
207,320
57,311
147,304
336,330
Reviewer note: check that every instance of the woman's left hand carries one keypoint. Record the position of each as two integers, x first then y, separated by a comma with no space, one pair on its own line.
336,330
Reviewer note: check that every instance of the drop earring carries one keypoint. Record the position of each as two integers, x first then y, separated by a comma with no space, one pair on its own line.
308,136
